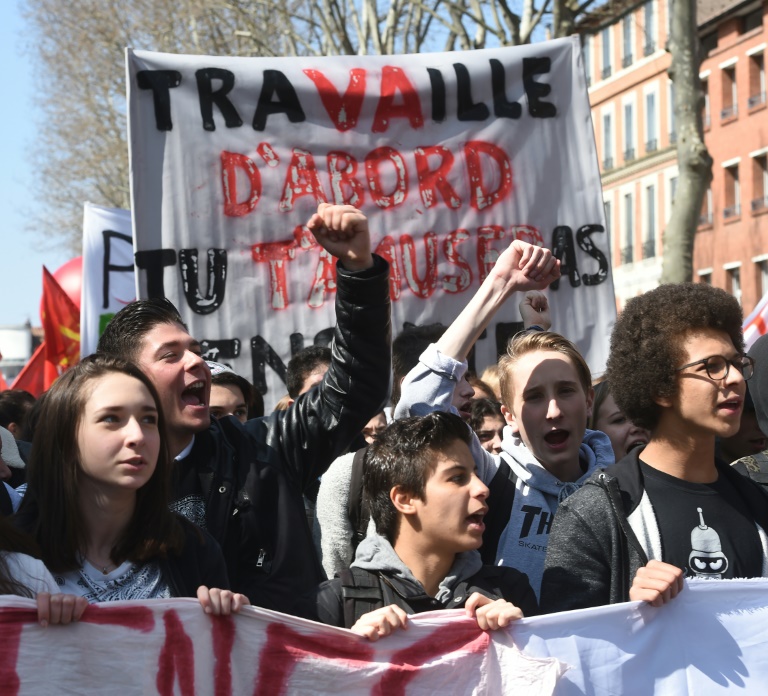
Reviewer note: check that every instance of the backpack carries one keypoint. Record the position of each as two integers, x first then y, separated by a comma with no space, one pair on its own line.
363,591
357,511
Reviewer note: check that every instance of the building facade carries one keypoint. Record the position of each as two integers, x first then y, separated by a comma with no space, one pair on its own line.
632,101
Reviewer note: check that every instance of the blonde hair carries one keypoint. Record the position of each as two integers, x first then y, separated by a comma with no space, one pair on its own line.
530,342
491,377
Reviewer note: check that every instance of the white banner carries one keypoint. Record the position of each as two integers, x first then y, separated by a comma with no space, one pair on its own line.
451,156
108,278
711,639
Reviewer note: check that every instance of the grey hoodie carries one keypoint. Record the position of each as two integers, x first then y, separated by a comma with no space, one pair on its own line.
523,543
376,553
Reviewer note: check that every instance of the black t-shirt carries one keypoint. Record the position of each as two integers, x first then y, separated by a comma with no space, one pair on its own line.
705,528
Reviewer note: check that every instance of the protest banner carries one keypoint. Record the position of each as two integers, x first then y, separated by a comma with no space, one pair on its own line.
710,639
108,277
451,156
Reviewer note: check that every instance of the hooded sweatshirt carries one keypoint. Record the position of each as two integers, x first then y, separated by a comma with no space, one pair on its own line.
523,543
375,553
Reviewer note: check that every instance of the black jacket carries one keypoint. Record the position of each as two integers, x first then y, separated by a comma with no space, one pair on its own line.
495,582
253,475
199,563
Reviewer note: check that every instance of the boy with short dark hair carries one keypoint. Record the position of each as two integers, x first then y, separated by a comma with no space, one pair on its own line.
635,529
421,486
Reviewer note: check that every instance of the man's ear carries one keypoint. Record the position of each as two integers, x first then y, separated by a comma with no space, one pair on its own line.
664,401
402,500
509,417
590,401
14,429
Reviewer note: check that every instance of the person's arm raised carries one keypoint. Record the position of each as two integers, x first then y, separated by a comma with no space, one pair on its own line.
520,267
343,232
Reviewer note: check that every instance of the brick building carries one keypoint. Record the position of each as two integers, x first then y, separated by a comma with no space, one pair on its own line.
632,96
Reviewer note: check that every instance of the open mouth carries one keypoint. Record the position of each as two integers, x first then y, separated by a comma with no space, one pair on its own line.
556,438
636,444
194,394
476,520
732,405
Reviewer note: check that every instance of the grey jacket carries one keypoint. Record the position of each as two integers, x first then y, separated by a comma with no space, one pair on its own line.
607,530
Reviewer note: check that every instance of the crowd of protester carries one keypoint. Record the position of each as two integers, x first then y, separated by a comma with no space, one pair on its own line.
388,481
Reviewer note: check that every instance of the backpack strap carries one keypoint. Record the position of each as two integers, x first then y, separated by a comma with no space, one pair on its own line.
359,515
361,593
500,498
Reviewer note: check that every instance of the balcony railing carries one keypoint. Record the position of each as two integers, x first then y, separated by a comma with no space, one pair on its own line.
626,61
607,164
629,154
759,204
649,248
650,47
651,146
731,212
729,112
705,219
628,254
756,100
606,72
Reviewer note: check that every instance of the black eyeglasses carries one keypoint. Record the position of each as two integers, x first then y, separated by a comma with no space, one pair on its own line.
717,366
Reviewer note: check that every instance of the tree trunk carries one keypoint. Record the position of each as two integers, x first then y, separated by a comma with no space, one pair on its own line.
694,162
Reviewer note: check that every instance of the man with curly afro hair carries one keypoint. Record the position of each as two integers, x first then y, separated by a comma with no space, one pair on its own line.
671,510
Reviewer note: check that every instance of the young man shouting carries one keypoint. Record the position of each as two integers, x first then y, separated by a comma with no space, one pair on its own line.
421,486
546,451
244,483
677,367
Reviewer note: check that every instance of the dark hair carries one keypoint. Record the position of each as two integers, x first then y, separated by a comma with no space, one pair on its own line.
30,424
404,455
602,392
303,364
480,409
13,540
125,332
50,511
530,342
647,343
253,400
410,343
15,405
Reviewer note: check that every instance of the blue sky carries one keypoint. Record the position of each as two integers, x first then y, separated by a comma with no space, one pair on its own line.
23,252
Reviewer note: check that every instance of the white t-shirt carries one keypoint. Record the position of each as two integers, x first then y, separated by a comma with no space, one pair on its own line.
30,572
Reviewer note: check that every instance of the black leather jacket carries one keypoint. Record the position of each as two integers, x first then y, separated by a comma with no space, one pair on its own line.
253,475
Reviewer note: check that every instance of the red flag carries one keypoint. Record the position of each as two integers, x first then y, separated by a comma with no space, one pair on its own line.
3,383
32,376
61,324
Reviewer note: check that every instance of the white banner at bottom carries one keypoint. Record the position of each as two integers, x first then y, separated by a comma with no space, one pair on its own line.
713,637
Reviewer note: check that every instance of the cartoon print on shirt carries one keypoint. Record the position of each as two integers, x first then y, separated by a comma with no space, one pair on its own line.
706,559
